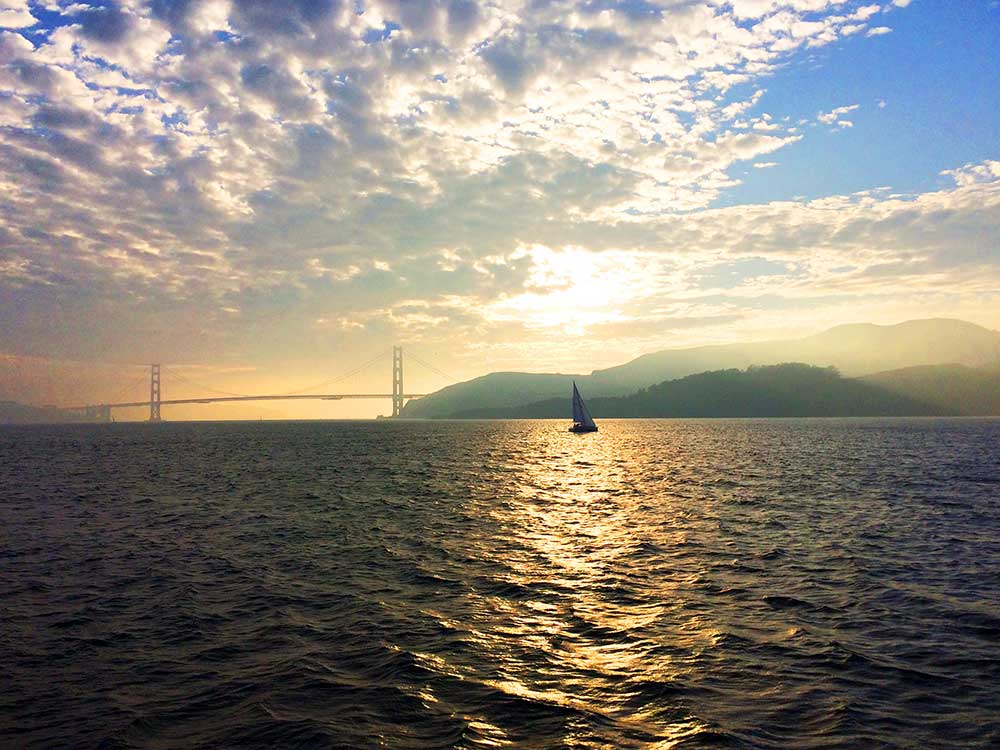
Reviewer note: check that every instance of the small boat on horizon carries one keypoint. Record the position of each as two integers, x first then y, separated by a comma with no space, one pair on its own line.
582,421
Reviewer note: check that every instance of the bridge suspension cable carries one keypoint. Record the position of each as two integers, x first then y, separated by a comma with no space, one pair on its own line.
339,378
429,366
173,373
132,386
315,386
102,412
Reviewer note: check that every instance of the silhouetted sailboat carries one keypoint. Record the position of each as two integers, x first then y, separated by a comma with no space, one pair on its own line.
582,421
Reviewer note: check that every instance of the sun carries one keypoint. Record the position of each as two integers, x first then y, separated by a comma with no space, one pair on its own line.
571,289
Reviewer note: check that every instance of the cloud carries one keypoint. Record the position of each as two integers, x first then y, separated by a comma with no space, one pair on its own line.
878,31
835,116
973,174
16,14
107,24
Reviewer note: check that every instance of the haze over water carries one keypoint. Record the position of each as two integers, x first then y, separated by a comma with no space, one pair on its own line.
731,583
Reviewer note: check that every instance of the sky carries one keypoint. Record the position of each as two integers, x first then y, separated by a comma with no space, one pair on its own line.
266,195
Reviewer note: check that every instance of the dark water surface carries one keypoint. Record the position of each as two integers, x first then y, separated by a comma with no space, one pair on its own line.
691,584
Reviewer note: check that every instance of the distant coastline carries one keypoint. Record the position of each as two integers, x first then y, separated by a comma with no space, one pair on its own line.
786,390
935,367
772,391
919,367
12,412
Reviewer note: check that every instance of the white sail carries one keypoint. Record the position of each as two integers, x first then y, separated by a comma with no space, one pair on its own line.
577,406
581,414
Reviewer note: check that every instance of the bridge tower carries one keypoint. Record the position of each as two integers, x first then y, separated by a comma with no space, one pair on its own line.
154,393
397,380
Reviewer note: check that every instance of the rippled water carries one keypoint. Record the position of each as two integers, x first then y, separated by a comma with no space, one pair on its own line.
757,584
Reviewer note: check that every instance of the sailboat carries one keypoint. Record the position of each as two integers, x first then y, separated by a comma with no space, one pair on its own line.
582,421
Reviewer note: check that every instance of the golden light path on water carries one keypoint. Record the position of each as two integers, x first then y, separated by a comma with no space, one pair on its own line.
679,583
569,524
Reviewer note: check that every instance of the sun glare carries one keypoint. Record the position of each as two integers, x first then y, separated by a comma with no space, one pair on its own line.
571,289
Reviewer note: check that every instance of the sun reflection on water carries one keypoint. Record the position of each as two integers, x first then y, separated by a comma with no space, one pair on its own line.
568,539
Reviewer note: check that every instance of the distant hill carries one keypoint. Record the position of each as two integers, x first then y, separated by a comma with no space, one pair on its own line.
955,389
856,349
497,390
786,390
12,412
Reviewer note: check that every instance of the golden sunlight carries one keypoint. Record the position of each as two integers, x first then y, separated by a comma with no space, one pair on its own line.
570,289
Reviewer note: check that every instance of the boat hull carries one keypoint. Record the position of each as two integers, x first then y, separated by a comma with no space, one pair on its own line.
582,428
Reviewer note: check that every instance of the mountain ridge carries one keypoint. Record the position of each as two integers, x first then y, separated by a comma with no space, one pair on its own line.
954,388
856,349
790,389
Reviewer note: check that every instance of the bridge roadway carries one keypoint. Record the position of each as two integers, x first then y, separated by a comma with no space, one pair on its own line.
219,399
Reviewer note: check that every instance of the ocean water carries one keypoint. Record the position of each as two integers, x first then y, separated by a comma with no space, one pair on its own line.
663,583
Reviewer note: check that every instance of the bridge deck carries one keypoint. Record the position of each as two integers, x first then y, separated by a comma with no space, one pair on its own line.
219,399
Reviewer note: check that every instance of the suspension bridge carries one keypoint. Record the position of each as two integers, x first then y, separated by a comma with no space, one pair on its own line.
103,412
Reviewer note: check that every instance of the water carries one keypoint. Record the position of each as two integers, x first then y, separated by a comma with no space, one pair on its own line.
691,584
